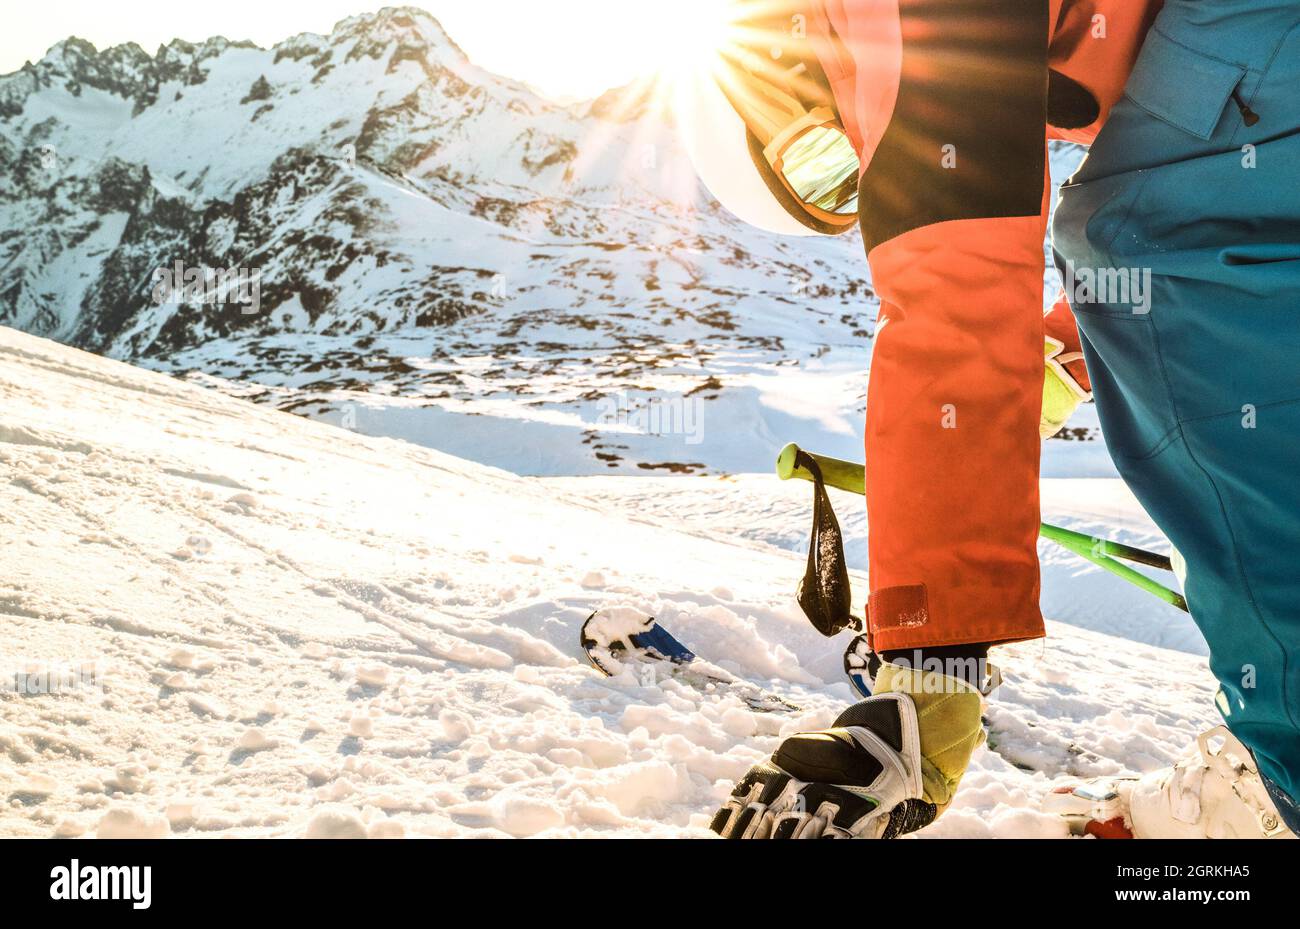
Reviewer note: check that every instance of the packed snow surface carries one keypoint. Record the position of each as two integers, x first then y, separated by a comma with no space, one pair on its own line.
227,620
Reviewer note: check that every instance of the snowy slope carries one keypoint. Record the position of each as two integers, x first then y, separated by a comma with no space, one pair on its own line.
303,631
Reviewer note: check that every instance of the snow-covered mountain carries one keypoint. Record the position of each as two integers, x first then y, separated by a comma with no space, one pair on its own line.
431,242
226,620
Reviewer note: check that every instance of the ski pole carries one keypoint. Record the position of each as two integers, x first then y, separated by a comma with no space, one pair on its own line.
1104,553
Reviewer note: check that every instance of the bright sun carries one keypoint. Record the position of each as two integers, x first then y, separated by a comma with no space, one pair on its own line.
568,49
577,48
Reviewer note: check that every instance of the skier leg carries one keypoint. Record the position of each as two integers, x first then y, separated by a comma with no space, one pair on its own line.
952,441
1178,243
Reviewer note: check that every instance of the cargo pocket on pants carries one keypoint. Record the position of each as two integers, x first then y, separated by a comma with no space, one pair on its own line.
1183,87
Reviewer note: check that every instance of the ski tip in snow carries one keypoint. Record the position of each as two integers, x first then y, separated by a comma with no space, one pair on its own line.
612,634
613,637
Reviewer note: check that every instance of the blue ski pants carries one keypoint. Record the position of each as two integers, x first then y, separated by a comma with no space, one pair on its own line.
1179,242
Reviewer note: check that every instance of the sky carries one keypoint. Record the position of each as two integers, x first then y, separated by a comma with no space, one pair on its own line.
568,49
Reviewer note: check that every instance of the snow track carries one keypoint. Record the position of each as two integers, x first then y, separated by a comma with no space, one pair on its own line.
299,630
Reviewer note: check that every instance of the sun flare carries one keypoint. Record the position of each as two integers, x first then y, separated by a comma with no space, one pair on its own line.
583,48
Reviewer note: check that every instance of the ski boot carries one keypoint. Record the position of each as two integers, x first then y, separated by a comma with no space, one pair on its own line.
1214,793
888,766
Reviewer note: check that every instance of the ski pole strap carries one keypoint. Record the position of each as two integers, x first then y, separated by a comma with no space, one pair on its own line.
824,593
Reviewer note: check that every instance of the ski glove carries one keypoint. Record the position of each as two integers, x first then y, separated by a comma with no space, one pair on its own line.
888,766
1062,392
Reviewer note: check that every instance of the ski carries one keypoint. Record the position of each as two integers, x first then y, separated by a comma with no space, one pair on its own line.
616,637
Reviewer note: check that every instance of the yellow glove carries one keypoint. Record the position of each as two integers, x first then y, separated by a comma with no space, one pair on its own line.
1062,394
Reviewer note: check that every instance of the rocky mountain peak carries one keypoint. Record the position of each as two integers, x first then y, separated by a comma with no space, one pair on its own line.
402,24
375,194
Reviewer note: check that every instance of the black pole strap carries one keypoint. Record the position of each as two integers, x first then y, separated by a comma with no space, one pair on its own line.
824,593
